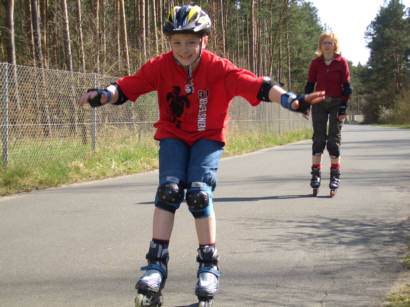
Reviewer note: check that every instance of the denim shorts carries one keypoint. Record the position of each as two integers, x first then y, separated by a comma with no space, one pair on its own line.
196,163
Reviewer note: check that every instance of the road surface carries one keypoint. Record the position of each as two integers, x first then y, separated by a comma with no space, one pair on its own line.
83,244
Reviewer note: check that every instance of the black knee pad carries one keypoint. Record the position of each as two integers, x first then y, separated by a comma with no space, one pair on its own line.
169,196
318,147
333,149
197,199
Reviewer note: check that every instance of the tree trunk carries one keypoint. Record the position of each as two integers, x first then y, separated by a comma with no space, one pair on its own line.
67,43
44,26
252,38
69,60
103,38
142,31
276,35
222,28
97,34
154,18
30,33
12,51
124,36
117,35
81,114
161,10
80,34
42,102
289,85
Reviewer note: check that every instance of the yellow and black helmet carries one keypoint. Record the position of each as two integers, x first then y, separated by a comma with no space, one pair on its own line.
187,19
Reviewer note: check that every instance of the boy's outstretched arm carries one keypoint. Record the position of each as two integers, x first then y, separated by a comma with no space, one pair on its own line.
298,103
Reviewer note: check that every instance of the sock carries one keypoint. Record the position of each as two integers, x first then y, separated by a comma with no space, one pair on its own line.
335,165
317,165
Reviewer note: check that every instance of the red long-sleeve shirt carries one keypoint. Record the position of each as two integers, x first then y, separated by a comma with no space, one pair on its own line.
202,114
330,78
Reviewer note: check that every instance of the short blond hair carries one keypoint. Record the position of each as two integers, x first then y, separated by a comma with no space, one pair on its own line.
333,37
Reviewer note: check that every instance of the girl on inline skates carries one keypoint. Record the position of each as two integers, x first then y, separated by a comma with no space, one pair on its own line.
330,72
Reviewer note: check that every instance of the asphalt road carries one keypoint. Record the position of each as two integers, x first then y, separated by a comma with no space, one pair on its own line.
83,244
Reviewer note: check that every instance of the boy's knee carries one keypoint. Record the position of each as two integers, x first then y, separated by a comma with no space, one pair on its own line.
199,199
169,195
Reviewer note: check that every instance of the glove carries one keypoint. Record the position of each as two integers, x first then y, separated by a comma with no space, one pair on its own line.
342,108
96,101
288,98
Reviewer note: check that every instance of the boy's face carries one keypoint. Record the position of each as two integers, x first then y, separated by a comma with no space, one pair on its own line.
186,47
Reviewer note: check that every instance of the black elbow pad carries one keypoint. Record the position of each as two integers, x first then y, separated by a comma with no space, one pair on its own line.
347,89
309,88
121,97
263,93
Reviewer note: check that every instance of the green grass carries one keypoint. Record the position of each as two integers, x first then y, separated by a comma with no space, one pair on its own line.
400,298
47,163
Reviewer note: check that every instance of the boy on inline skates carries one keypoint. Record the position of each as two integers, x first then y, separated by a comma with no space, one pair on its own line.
195,88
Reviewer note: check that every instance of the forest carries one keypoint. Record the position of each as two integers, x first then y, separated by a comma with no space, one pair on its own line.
269,37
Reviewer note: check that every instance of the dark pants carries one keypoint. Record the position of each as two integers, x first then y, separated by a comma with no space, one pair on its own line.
324,136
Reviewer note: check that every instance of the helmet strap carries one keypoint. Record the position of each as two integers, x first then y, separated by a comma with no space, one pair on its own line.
189,86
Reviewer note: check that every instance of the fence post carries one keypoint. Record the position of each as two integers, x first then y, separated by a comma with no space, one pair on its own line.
5,113
94,118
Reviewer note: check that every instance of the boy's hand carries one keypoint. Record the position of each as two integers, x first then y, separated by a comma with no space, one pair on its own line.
94,98
311,98
303,102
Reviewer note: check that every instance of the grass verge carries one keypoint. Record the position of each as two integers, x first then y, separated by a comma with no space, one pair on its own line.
400,298
66,161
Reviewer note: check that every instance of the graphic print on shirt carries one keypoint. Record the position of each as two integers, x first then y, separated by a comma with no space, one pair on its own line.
177,105
203,107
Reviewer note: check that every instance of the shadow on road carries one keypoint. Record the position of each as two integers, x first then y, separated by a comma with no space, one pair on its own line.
247,199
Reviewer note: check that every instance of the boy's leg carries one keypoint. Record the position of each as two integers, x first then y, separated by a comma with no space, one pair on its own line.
173,160
203,165
201,178
206,229
163,222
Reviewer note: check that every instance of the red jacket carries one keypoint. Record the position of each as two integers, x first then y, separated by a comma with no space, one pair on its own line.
330,78
201,115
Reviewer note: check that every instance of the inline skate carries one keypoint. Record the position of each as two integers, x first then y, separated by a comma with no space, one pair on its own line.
208,274
150,285
315,181
334,181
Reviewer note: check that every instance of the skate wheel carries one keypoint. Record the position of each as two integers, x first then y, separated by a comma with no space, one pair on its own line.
142,301
205,302
332,193
315,191
139,300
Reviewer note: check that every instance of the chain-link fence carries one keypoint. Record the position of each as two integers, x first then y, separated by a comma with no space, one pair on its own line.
41,120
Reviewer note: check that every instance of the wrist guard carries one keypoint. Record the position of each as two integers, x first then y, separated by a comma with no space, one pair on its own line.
342,108
288,98
96,101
